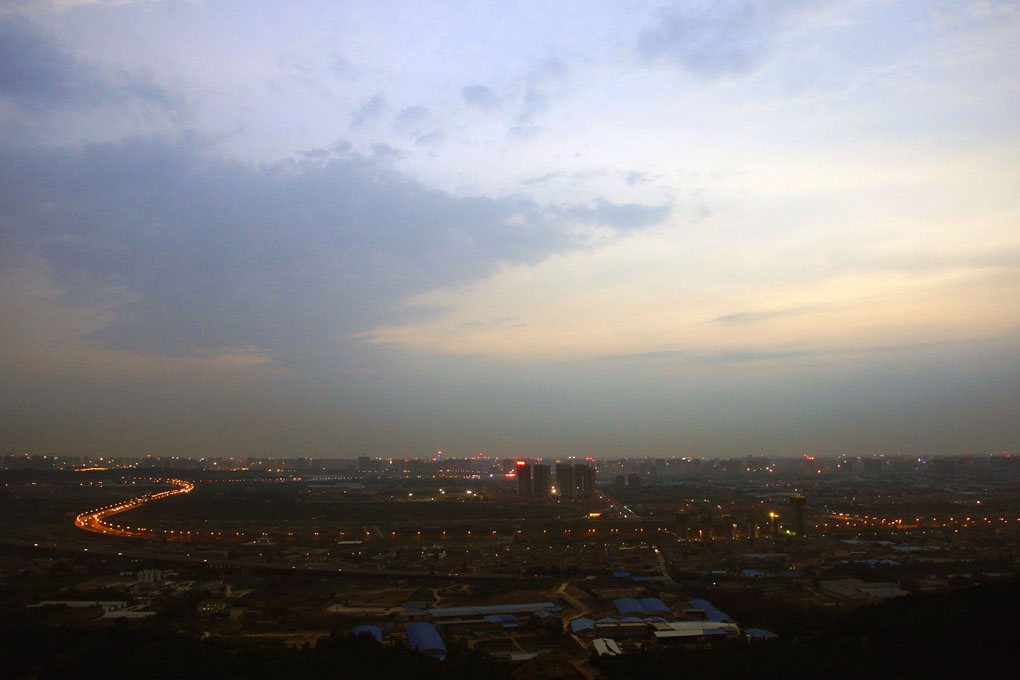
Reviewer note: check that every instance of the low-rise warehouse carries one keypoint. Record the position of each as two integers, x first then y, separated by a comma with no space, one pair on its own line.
485,610
646,605
424,637
711,612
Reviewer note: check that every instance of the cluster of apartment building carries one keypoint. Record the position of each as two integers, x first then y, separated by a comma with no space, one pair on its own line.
574,481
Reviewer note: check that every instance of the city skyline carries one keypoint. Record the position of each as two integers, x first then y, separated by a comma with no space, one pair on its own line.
648,229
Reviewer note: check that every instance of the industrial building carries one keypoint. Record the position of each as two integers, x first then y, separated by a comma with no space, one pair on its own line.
606,647
711,612
694,632
424,637
646,605
446,613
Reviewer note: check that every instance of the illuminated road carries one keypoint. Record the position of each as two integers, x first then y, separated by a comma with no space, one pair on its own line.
97,520
957,522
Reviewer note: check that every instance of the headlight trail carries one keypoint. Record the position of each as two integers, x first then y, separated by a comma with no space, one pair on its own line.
97,520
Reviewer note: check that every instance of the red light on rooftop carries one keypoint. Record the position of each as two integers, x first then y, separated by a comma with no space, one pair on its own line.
809,457
521,462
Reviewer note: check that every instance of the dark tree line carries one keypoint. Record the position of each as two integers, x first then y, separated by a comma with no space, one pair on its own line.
34,651
969,633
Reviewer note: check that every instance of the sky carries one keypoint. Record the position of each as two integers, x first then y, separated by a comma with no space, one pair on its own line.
720,228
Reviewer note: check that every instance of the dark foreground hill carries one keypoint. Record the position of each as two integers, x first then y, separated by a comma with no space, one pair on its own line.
970,633
966,634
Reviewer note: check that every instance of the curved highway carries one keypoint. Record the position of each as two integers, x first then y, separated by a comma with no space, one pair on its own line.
97,520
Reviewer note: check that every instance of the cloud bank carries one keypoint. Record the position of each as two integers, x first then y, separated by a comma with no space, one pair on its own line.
190,251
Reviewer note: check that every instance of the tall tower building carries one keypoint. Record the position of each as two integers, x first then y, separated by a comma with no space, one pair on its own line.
752,526
683,525
705,527
523,479
565,481
579,469
797,503
542,481
589,481
727,526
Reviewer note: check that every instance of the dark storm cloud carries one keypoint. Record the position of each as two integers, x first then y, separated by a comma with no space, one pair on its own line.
480,97
36,74
190,252
714,38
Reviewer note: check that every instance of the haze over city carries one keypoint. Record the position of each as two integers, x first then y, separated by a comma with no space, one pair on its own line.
608,229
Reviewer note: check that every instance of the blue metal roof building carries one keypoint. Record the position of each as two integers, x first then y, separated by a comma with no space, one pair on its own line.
374,631
577,625
710,610
646,605
654,605
628,605
424,637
